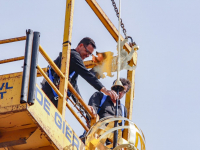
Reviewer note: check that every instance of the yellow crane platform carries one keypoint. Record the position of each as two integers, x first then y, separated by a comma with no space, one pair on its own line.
29,120
39,126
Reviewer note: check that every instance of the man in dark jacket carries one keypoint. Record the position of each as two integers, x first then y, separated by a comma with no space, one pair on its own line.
106,107
109,106
84,49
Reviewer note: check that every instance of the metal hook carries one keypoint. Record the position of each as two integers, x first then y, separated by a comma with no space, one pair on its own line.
132,42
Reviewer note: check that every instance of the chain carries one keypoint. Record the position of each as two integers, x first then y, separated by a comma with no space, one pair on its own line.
117,13
122,25
81,109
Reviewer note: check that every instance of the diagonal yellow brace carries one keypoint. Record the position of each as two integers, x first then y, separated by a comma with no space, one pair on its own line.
109,25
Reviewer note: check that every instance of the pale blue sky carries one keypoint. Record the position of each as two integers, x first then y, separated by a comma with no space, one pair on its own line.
166,105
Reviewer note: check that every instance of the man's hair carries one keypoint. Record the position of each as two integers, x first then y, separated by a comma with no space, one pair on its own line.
124,82
86,41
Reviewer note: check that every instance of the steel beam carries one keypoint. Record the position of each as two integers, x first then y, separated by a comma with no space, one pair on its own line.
66,55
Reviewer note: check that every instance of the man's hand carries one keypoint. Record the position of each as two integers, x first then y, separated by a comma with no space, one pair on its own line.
113,95
92,109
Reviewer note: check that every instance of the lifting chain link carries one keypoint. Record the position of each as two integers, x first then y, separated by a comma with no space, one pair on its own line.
117,13
122,24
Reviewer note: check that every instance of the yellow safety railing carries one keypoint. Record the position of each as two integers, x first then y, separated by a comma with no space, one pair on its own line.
11,59
72,90
13,40
51,63
9,41
42,72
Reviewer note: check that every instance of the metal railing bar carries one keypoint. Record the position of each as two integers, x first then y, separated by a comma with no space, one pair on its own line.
77,117
11,59
74,104
73,91
39,74
13,40
49,81
52,64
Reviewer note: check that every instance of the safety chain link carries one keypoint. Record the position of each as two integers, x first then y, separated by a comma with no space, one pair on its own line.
117,13
122,24
83,111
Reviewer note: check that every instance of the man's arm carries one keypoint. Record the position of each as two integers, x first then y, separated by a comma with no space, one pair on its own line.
77,64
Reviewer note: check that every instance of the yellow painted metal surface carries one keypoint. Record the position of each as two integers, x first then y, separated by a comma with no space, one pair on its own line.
73,91
10,90
15,137
114,32
37,137
11,59
130,94
129,98
104,130
39,74
108,24
39,125
12,121
18,130
13,40
50,61
51,121
49,81
77,117
42,126
66,55
89,64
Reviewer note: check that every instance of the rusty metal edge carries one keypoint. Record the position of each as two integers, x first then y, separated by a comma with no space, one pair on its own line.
13,143
13,109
